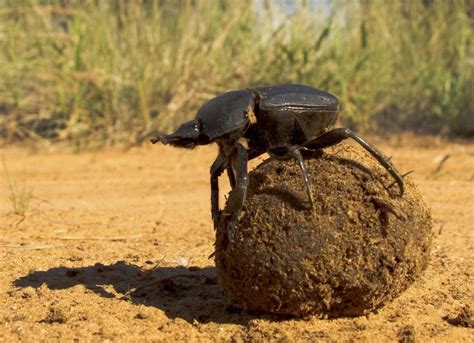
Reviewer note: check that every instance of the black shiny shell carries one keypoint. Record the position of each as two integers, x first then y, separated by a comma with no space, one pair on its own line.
313,111
225,113
295,95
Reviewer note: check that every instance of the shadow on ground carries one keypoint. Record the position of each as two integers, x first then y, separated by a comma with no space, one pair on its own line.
192,294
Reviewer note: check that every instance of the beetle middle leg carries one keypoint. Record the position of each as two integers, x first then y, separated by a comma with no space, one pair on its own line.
285,153
335,136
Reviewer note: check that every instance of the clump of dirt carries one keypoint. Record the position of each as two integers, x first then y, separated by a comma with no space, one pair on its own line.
361,246
406,334
55,315
464,318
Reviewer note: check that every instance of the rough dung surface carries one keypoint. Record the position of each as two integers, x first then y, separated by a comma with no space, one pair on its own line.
363,245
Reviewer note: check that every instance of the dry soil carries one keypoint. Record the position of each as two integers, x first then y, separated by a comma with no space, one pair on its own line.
114,245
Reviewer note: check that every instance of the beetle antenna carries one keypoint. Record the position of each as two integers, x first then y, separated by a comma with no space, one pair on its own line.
155,138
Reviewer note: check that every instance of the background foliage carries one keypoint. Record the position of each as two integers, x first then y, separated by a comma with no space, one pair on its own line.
94,72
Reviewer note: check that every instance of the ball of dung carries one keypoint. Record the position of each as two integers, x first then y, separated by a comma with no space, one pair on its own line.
360,246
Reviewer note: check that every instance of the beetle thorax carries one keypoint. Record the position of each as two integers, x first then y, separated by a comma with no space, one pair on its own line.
226,114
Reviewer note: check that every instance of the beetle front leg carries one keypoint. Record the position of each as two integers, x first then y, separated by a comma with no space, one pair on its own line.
337,135
230,174
238,163
216,170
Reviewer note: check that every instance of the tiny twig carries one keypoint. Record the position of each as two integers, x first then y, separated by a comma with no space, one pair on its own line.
149,272
40,199
99,238
440,229
37,246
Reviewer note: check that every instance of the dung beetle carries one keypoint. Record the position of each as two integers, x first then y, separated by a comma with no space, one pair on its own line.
280,120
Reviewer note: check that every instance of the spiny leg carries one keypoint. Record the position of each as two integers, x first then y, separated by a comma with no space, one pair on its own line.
295,152
216,170
238,162
337,135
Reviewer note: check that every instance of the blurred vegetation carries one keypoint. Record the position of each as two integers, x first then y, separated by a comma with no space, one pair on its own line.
93,72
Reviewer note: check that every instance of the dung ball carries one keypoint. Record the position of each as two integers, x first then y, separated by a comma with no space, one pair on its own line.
362,244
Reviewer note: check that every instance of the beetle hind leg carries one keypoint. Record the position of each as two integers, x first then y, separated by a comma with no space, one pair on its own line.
296,153
335,136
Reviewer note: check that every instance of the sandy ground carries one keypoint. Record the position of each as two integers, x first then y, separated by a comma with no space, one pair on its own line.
102,224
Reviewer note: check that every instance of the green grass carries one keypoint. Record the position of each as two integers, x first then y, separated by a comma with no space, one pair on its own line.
106,72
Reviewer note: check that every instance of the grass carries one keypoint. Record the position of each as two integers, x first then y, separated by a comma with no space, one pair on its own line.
20,197
106,72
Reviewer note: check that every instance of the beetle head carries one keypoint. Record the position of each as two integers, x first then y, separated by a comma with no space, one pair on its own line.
188,135
222,117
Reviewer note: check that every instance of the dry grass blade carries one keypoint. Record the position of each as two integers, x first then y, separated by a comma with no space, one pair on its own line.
440,165
19,198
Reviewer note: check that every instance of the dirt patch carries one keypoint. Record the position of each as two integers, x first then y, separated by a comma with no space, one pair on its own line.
362,245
